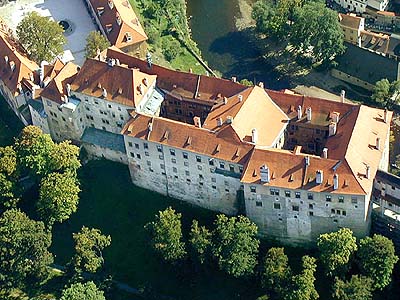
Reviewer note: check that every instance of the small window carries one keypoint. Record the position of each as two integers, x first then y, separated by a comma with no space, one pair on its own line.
175,170
161,157
310,213
172,152
213,179
187,173
214,187
138,156
258,203
277,206
145,145
328,198
173,160
344,213
232,168
162,166
227,190
132,154
186,163
222,165
136,146
311,206
201,176
253,189
148,163
211,162
341,199
198,159
287,194
146,153
130,144
297,195
185,155
310,196
240,169
354,200
332,211
199,167
295,208
159,148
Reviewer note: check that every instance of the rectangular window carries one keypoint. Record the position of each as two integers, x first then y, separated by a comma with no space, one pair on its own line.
201,176
198,159
277,206
146,153
136,146
310,196
161,157
222,165
187,173
159,148
253,189
199,167
295,208
232,168
287,194
332,211
146,146
341,199
240,169
258,203
338,212
354,200
328,198
185,155
148,163
186,163
173,160
297,195
162,166
172,152
344,213
274,192
213,179
310,213
132,154
214,187
310,206
211,162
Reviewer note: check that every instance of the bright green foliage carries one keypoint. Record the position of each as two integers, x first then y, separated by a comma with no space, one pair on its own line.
200,241
58,197
41,37
302,287
8,161
336,249
357,288
24,254
166,233
8,177
276,271
377,259
64,157
386,93
316,31
95,42
82,291
89,246
170,48
235,245
246,82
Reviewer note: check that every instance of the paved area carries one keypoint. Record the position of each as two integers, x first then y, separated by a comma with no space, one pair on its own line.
74,11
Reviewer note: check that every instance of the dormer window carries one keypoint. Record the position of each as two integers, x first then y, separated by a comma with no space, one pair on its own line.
119,20
100,10
128,37
109,28
111,4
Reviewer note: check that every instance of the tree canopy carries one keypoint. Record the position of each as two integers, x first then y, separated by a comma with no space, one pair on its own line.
8,177
80,291
377,259
89,246
42,37
95,42
24,245
386,94
200,241
336,249
235,245
357,288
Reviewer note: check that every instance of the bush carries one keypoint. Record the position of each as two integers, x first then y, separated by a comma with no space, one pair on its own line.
171,48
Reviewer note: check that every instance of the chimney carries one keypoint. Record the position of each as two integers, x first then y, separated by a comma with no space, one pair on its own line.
229,120
325,153
6,59
117,62
104,93
265,174
254,136
378,144
225,100
65,98
19,87
332,128
197,122
190,70
141,89
308,112
335,181
234,79
299,112
119,20
240,97
261,84
31,77
145,81
367,171
68,90
319,177
335,116
342,95
219,122
385,115
307,161
150,127
111,4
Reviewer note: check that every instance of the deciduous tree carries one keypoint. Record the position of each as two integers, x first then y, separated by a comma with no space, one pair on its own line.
95,42
64,158
336,249
82,291
42,37
200,241
386,93
8,177
24,247
357,288
89,246
166,235
235,245
377,259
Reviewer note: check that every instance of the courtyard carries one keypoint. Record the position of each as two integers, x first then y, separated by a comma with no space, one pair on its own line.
77,21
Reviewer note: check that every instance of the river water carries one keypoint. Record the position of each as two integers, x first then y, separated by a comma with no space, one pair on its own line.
226,49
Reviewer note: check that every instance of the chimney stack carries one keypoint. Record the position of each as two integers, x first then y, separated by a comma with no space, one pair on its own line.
219,122
68,90
299,112
197,122
319,178
104,93
234,79
308,112
254,136
265,174
307,161
332,128
229,120
150,127
6,59
225,100
342,95
367,171
240,97
325,153
261,84
335,181
378,144
385,115
141,89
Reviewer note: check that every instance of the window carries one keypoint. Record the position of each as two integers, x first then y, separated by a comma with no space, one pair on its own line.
310,196
310,213
173,160
162,166
172,152
187,173
175,170
159,148
109,105
201,176
344,213
148,163
188,180
213,179
328,198
240,170
297,195
287,194
253,189
132,154
185,155
146,153
258,203
214,187
198,159
222,165
354,200
341,199
161,156
227,190
277,206
232,168
199,167
310,206
274,192
211,162
186,163
136,146
295,208
138,156
332,211
145,145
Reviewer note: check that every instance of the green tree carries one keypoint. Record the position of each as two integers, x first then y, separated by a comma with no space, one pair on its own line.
302,287
336,249
80,291
8,161
24,254
95,42
89,246
270,20
64,158
235,245
171,48
377,259
357,288
58,197
316,31
8,177
276,271
386,93
246,82
166,235
42,37
200,241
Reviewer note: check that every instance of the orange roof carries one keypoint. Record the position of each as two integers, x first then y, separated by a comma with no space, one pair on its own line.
188,137
55,90
121,20
350,21
251,109
123,85
12,55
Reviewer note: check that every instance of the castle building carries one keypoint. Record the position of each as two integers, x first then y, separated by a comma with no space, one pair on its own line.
297,166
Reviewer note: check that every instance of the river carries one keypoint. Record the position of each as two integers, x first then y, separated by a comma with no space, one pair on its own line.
232,52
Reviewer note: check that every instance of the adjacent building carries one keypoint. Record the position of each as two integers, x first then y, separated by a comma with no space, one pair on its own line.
360,6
